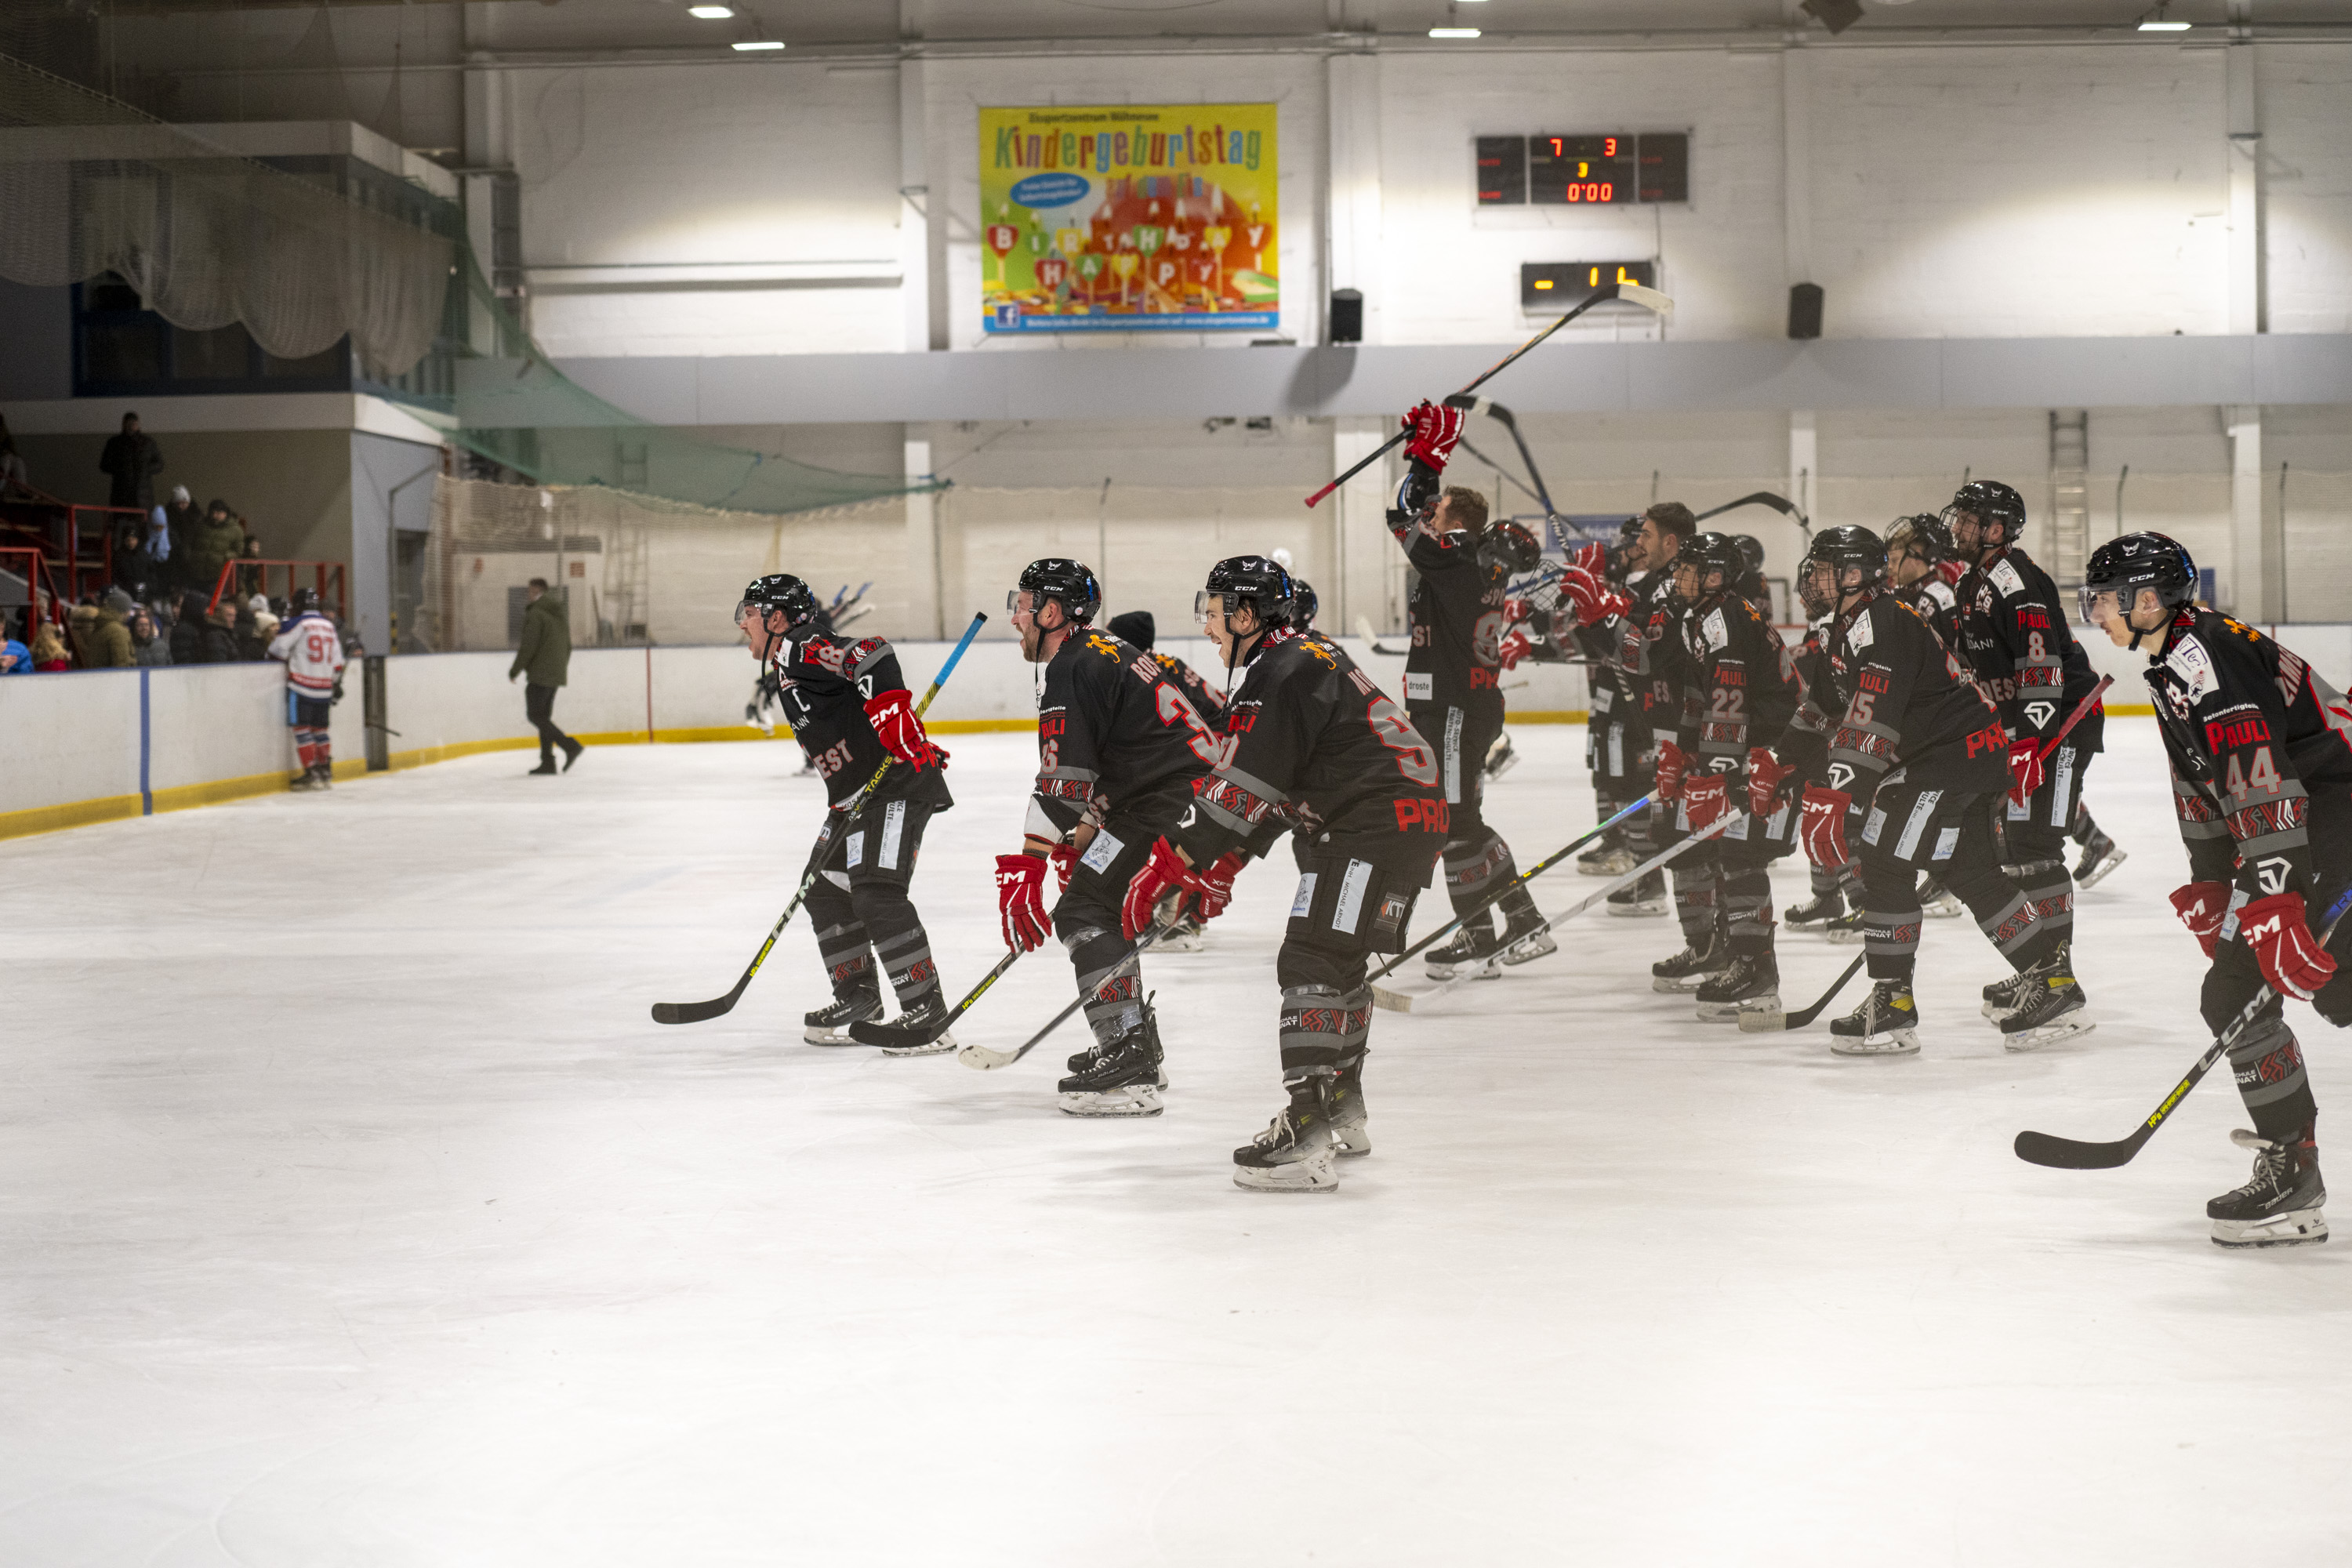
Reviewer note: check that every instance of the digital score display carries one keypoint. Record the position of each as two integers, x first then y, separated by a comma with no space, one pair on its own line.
1549,286
1601,170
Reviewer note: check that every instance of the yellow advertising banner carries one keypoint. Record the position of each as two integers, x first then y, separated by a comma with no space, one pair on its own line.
1138,218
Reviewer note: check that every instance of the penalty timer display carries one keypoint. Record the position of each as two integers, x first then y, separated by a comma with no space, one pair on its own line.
1129,218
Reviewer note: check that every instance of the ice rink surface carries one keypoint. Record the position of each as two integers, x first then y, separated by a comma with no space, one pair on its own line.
357,1214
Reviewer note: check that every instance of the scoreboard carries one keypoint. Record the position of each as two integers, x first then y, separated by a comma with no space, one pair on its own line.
1608,169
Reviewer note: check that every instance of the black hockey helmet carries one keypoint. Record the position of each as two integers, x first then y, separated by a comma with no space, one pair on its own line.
1847,548
1507,548
1303,603
1251,580
1715,562
1058,577
1923,536
302,602
1751,550
2126,564
1136,626
777,591
1988,502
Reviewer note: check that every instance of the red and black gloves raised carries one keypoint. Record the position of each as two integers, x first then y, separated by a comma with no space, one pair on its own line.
1021,901
2292,959
1163,874
1216,888
1821,829
1706,798
1593,598
1672,767
1766,773
1514,647
1592,558
1064,857
2025,769
900,732
1430,434
2202,907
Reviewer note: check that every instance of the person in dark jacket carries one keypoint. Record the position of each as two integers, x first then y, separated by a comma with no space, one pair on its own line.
545,657
188,631
218,538
132,461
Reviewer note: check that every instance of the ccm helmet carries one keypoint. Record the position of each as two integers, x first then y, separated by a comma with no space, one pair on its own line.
1848,548
1248,581
1054,577
1509,548
779,590
1988,502
1715,559
2123,565
1303,603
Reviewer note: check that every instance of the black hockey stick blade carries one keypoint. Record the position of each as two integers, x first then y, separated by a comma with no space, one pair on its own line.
983,1059
1765,1022
699,1012
2066,1154
888,1034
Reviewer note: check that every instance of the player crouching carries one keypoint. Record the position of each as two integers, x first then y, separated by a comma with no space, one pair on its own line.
2261,780
1311,743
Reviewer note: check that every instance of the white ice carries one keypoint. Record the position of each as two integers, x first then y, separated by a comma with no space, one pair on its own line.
357,1214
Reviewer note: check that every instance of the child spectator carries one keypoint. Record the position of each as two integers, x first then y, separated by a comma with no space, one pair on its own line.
49,649
15,658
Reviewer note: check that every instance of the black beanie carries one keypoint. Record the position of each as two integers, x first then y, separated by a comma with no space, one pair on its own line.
1134,627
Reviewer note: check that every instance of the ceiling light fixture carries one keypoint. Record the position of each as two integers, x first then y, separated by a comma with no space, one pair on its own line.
748,44
1453,32
710,12
2154,22
1837,15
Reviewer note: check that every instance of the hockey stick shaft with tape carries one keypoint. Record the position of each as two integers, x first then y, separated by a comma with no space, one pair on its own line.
984,1059
871,1034
718,1007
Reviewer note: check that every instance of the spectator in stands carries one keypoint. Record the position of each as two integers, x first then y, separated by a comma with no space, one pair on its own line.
49,649
217,538
106,638
150,647
220,633
545,657
11,474
182,517
16,659
188,631
131,460
248,578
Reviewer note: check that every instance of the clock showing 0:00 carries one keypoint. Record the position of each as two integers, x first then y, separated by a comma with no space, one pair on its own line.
1609,169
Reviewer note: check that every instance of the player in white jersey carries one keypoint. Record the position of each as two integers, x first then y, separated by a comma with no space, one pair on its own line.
312,650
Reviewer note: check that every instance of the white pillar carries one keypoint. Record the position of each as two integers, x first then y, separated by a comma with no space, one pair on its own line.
2250,592
2248,311
924,590
1363,553
1353,223
921,232
1797,166
1804,461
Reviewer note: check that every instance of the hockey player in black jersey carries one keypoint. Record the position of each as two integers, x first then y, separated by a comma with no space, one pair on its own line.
2260,755
1649,673
1833,885
850,710
1310,744
1136,626
1612,753
1916,759
1118,750
2017,638
1741,690
1453,691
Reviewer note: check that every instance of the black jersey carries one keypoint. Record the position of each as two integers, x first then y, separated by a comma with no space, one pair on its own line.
826,683
1207,701
2019,640
1740,685
2253,736
1649,664
1111,728
1310,737
1894,695
1456,608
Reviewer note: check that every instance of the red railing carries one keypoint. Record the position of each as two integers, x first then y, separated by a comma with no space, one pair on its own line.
323,572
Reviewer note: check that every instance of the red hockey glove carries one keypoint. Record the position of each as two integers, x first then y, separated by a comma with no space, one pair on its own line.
1433,433
1514,647
1516,611
1021,901
1592,558
1706,798
1672,767
2025,769
1594,599
1766,773
2292,959
1163,874
1064,858
1821,829
900,732
1216,889
2202,906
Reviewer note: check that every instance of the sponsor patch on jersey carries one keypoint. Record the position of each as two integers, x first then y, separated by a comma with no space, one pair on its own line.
2193,665
1859,635
1717,634
1101,852
2004,577
1940,594
1419,687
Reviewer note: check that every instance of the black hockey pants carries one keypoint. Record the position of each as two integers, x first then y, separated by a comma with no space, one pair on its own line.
1085,920
861,911
1477,862
1725,884
1346,906
1910,829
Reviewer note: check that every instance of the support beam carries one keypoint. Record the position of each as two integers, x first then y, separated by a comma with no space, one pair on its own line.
1804,461
2249,301
2252,593
925,591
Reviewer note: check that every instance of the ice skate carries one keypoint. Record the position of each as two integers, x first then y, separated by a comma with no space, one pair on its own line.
1645,900
2049,1005
1185,936
1845,928
1474,946
1350,1136
1501,757
1294,1154
1691,968
829,1026
1885,1025
1525,934
2280,1206
307,780
324,775
1751,983
1937,901
1610,858
1120,1077
2100,856
926,1018
1816,911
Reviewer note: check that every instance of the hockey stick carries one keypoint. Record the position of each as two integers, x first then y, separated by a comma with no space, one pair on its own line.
1404,1001
1633,293
1529,875
980,1059
1364,630
702,1012
1764,1023
867,1033
1779,503
2072,1154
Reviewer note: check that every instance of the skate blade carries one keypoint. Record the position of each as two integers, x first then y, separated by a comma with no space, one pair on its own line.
1843,937
1127,1099
939,1047
1736,1012
1942,909
1313,1175
1680,984
1350,1145
980,1059
2065,1028
1769,1020
1898,1043
2099,874
1647,910
2301,1227
824,1037
1529,948
1192,941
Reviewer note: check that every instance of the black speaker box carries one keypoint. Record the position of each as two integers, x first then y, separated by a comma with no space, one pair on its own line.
1347,316
1805,310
